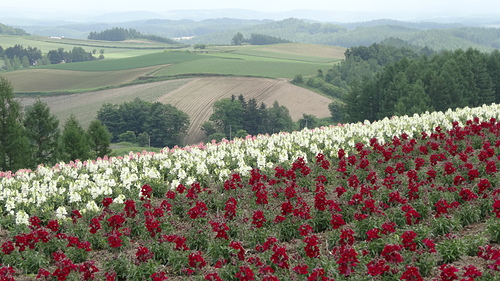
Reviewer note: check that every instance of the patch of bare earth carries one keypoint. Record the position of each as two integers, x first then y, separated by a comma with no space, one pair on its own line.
197,97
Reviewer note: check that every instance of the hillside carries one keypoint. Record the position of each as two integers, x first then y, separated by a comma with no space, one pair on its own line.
435,35
195,96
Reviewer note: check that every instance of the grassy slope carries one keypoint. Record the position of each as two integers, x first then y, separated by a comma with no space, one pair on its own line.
275,61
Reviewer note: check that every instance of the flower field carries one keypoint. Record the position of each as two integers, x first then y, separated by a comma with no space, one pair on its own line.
391,200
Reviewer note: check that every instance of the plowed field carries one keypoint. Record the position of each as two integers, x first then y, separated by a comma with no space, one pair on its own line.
194,96
197,97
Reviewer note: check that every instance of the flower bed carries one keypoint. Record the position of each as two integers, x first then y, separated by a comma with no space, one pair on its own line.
383,201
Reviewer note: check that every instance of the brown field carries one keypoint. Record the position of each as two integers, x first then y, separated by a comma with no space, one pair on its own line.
194,96
197,97
49,80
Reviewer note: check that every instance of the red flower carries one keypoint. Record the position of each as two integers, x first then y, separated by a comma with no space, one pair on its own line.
198,211
411,274
429,244
107,201
212,277
94,225
305,229
159,276
75,214
258,219
377,267
301,269
448,272
181,188
116,221
114,239
220,229
237,246
8,247
143,254
337,221
35,222
53,225
230,209
146,191
130,210
245,274
472,271
391,253
196,260
372,234
408,238
311,248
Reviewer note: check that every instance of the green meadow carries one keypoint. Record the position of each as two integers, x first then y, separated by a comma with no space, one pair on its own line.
125,62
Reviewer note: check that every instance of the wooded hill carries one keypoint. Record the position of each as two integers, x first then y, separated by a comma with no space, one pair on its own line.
220,31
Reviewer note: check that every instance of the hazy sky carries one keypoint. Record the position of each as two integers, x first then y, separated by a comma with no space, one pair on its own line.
453,7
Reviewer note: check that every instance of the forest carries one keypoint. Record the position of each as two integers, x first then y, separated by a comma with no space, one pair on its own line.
396,78
238,117
149,124
121,34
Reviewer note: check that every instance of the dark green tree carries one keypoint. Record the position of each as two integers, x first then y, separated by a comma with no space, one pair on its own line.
307,121
42,130
75,141
279,119
110,116
336,110
100,139
237,39
166,125
14,145
228,116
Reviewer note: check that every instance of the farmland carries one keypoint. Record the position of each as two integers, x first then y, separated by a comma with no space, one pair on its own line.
194,96
259,72
411,198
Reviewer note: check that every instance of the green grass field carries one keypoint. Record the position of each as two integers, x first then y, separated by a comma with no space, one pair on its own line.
243,67
157,58
126,61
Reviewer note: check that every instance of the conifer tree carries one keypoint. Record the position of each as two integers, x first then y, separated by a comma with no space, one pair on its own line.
100,139
14,146
42,131
75,141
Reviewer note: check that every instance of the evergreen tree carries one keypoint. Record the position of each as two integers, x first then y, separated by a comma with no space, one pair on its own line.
166,125
307,121
110,116
279,119
42,131
75,141
228,116
100,139
14,145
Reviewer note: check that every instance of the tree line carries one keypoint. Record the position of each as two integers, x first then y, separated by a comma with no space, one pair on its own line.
32,137
237,117
122,34
18,57
9,30
257,39
139,121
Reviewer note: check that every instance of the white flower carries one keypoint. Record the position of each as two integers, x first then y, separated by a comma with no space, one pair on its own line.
92,206
61,212
22,218
119,199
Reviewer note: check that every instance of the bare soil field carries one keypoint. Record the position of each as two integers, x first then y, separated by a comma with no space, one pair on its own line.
195,96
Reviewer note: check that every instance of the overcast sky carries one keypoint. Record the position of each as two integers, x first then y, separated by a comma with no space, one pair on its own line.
452,6
396,9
